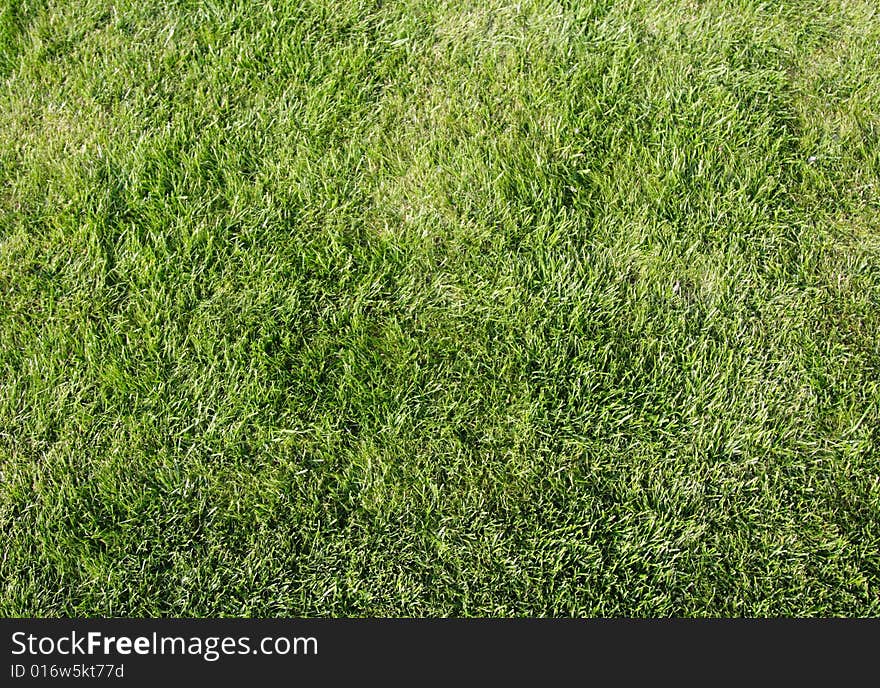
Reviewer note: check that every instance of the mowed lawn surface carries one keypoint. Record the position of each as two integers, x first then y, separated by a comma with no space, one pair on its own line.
418,308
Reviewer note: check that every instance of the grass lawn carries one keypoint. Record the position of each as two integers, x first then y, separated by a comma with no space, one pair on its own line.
351,307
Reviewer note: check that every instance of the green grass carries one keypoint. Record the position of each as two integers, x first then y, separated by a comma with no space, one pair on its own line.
439,308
